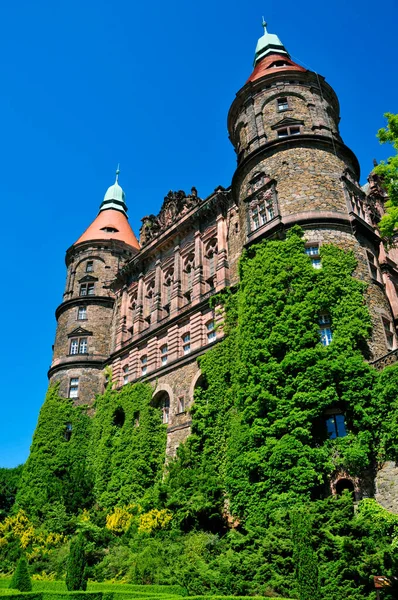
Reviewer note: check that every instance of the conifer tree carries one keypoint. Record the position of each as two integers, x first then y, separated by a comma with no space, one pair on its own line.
76,577
304,557
21,578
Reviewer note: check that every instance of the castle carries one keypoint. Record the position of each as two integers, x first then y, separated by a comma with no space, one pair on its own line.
143,307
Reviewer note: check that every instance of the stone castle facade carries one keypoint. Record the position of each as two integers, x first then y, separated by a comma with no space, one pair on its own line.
143,307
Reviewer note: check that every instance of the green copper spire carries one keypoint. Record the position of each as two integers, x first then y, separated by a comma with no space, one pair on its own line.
115,197
269,43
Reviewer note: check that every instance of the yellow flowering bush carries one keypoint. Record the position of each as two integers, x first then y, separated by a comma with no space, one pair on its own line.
154,519
120,519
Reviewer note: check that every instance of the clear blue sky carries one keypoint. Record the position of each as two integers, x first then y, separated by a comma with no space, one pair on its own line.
87,84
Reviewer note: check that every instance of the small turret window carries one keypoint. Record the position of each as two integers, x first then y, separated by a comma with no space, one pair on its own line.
109,229
335,425
82,313
313,253
282,104
89,266
279,63
87,289
74,387
325,331
286,131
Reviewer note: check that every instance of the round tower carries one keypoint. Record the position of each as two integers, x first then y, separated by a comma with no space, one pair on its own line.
85,317
293,167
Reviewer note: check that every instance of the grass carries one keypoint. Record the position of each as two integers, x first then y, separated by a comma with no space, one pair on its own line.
56,590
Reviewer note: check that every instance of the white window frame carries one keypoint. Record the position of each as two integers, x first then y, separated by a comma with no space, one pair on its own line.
211,333
164,355
144,364
82,310
74,387
186,343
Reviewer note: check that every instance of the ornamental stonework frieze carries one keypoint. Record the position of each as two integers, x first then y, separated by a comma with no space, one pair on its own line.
175,205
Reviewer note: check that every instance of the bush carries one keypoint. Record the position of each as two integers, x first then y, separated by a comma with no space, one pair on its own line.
76,577
21,578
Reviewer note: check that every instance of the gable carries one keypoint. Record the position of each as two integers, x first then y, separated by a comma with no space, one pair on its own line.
286,122
79,331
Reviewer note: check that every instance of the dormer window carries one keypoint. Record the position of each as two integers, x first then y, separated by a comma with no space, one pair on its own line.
286,131
110,229
282,104
279,63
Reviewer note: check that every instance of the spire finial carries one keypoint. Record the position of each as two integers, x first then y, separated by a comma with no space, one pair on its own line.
264,24
117,173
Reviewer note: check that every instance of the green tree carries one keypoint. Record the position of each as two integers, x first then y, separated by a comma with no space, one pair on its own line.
76,575
304,557
388,171
9,482
21,578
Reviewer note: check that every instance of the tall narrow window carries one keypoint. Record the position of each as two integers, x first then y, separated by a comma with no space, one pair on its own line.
282,104
144,364
325,330
313,253
186,343
89,266
211,333
82,313
389,331
374,269
83,346
74,387
74,346
181,405
125,374
68,431
163,355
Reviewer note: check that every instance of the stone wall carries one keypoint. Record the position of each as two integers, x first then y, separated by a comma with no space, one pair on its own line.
387,486
91,382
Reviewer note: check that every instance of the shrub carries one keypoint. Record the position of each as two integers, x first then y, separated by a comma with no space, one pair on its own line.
21,578
76,568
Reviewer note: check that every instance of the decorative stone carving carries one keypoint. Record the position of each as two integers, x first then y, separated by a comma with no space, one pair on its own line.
175,205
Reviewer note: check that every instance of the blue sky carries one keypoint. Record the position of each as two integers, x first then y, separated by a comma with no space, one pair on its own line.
87,84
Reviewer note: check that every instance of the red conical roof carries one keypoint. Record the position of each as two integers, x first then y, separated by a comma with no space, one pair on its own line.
268,65
110,224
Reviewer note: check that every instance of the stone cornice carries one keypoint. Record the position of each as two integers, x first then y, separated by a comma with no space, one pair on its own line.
294,141
107,301
94,361
110,245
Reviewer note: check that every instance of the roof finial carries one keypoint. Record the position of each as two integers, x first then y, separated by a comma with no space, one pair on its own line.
117,173
264,24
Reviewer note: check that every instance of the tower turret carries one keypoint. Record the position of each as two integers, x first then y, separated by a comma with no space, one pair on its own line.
84,319
293,167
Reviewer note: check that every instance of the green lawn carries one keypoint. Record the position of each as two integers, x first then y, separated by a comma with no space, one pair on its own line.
56,590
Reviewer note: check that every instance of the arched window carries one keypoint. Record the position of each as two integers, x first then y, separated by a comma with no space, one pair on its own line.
211,263
188,279
161,400
119,417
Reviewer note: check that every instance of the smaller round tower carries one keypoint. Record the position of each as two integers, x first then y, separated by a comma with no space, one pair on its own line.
85,317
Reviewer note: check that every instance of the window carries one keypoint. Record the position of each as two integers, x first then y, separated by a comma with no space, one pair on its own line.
181,405
136,418
74,346
186,343
87,289
83,346
374,269
279,63
74,387
389,331
109,229
144,364
82,313
325,331
286,131
89,266
357,206
163,355
262,212
313,253
68,431
335,425
282,104
166,411
125,374
211,333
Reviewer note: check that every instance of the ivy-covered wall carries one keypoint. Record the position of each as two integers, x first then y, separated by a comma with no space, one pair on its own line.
218,519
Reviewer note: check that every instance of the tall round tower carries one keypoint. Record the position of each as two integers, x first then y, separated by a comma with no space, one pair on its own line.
293,167
85,317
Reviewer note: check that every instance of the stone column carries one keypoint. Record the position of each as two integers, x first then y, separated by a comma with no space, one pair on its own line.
198,282
176,293
156,312
139,316
222,267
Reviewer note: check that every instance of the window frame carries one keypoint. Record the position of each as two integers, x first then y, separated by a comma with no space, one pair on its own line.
315,256
325,329
144,364
282,106
211,331
79,317
90,266
186,343
388,328
288,129
164,355
73,388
